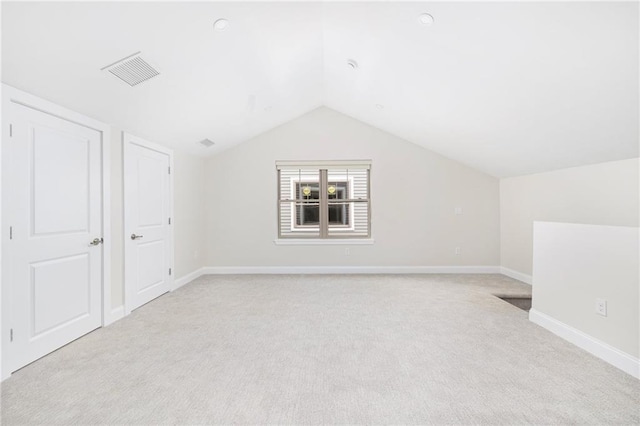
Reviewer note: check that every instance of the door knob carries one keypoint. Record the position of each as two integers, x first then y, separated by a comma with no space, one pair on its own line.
136,237
96,241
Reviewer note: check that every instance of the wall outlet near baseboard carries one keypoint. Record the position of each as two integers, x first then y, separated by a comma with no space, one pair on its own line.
347,251
457,251
601,307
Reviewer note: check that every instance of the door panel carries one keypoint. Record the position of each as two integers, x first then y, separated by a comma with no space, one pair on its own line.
56,208
151,265
151,193
50,278
60,201
147,211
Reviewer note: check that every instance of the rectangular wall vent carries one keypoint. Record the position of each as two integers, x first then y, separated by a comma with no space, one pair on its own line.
133,70
207,143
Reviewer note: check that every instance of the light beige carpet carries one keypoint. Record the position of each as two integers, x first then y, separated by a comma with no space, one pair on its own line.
413,349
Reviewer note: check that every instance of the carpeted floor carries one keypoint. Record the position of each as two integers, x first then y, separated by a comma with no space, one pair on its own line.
410,349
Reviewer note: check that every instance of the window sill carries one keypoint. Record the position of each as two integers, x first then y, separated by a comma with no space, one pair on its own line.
322,242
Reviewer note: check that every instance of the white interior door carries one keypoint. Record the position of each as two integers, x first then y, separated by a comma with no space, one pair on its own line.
53,177
147,221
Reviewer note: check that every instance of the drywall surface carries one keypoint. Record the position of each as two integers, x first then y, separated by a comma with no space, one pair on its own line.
117,220
599,194
188,208
413,196
576,264
188,205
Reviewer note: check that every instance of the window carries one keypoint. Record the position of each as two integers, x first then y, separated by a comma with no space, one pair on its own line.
307,215
321,200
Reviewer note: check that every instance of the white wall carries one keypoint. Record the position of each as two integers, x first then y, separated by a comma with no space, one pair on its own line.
414,192
599,194
576,264
189,212
189,215
117,220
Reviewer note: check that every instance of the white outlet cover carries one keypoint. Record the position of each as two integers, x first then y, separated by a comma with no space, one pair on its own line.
601,307
457,210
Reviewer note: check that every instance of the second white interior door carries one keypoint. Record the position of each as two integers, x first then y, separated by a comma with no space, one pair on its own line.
147,221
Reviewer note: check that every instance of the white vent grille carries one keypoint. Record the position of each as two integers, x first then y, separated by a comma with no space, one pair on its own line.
133,70
206,143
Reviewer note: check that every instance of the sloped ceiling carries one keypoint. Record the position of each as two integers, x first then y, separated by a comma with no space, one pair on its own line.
507,88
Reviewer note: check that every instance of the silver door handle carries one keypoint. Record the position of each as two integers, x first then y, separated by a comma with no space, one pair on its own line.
136,237
96,241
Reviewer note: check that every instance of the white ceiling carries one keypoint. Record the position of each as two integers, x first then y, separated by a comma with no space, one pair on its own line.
507,88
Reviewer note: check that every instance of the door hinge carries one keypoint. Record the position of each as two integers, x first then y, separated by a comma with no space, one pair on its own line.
169,271
169,168
10,130
11,335
11,232
169,221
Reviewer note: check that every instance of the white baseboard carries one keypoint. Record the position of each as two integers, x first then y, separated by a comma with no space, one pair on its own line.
119,312
113,316
622,360
188,278
351,270
527,279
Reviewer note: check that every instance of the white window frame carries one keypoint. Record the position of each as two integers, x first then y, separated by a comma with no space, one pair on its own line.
323,238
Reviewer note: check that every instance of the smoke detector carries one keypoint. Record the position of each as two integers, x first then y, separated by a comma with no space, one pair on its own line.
207,143
133,70
221,24
425,19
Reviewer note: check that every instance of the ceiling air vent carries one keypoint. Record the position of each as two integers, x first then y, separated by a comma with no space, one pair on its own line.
133,70
206,143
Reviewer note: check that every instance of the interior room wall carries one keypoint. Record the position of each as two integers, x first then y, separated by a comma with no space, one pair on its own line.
414,193
117,220
189,213
599,194
188,205
575,266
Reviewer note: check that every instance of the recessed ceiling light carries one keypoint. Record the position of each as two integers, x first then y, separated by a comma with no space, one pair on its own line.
352,64
425,19
379,106
221,24
207,143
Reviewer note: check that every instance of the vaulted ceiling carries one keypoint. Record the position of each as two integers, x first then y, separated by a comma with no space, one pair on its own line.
507,88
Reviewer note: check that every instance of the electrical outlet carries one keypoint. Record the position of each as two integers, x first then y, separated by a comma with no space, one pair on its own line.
457,250
601,307
347,251
457,211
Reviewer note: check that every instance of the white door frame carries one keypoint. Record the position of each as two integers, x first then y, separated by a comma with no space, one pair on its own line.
11,95
127,140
